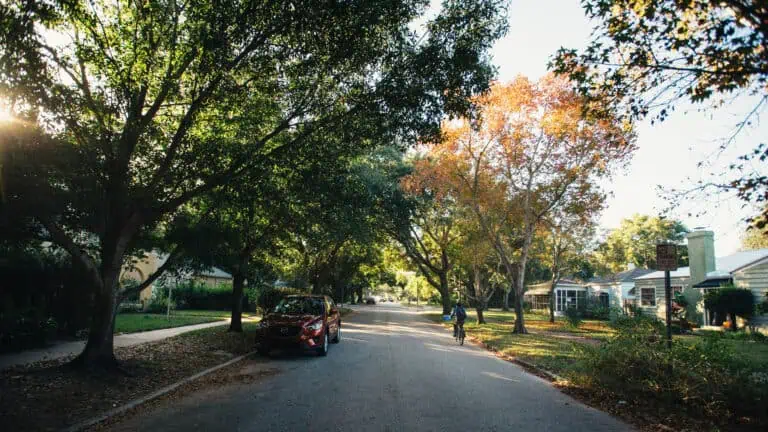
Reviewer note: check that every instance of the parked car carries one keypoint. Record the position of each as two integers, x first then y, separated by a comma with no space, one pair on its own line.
370,300
308,322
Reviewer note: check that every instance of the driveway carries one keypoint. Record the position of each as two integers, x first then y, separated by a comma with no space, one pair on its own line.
392,371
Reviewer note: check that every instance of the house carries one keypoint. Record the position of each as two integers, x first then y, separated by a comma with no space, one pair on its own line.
144,267
568,293
748,269
617,290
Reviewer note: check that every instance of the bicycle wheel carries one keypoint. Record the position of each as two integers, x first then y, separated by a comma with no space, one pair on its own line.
461,336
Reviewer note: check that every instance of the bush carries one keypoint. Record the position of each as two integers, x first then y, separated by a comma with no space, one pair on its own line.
26,330
269,298
704,376
158,304
730,301
573,317
596,310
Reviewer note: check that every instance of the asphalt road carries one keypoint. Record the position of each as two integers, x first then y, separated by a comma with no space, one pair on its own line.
392,371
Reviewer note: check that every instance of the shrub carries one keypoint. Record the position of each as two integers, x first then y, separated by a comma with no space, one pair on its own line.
270,297
26,330
704,376
573,317
730,301
596,310
159,302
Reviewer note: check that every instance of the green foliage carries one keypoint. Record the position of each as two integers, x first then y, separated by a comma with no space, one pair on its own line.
647,57
730,301
703,376
596,310
762,307
25,330
573,317
635,242
269,298
38,282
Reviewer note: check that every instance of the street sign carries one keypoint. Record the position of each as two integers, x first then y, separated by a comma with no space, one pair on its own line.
666,257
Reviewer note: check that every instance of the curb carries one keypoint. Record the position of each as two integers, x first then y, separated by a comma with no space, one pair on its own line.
163,391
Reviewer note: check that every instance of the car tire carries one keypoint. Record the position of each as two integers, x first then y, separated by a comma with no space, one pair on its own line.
337,338
323,349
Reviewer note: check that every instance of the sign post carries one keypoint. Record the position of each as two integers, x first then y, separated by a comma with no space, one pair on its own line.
666,259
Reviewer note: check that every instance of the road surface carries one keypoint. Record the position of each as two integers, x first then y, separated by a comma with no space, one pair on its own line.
392,371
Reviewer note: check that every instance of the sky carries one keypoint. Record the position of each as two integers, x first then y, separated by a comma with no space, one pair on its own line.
668,153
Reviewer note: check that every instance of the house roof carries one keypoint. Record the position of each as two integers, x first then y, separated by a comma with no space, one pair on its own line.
543,287
724,266
625,276
215,272
713,282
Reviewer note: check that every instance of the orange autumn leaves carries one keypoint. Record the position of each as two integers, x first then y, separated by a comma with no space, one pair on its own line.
530,145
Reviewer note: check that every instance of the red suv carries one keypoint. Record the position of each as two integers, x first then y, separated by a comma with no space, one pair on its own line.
304,321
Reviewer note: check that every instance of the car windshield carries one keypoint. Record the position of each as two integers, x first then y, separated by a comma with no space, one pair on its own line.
300,306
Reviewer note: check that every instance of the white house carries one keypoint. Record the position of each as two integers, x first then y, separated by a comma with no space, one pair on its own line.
568,293
748,269
617,290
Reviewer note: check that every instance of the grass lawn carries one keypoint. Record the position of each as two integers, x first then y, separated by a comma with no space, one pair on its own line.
550,346
138,322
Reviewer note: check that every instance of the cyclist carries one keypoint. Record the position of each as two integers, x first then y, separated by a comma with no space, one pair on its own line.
461,315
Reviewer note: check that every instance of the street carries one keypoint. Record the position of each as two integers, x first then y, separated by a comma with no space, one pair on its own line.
392,371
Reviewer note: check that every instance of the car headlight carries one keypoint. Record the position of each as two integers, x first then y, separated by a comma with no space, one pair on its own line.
315,326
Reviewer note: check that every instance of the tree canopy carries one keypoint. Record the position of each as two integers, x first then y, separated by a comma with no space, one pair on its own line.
648,57
128,111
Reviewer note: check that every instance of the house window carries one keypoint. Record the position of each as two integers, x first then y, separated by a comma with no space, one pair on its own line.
647,296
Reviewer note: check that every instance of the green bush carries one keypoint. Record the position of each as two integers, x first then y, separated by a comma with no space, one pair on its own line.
730,301
573,317
26,330
269,298
704,376
596,310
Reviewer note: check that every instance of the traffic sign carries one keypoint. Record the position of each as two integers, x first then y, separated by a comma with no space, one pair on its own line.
666,257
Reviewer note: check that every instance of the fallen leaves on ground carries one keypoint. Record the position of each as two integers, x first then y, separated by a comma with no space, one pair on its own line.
242,373
49,395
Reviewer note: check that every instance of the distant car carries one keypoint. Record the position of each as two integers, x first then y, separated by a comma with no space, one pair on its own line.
370,301
308,322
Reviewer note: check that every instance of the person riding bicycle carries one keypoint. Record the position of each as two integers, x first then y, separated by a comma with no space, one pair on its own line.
461,314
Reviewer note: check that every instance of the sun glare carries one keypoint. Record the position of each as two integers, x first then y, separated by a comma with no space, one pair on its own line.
5,114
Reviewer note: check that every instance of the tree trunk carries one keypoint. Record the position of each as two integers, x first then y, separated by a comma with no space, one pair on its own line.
734,325
480,317
236,323
99,350
505,305
552,305
445,294
519,317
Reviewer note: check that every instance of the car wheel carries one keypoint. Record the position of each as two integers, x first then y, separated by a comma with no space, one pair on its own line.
323,349
337,338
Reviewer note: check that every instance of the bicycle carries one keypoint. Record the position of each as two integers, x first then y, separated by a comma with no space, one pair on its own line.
460,334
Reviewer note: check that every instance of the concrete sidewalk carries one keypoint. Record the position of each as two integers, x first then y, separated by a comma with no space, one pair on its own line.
66,349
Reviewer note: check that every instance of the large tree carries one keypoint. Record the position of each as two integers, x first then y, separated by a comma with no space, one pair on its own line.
634,242
531,151
430,239
148,106
650,56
